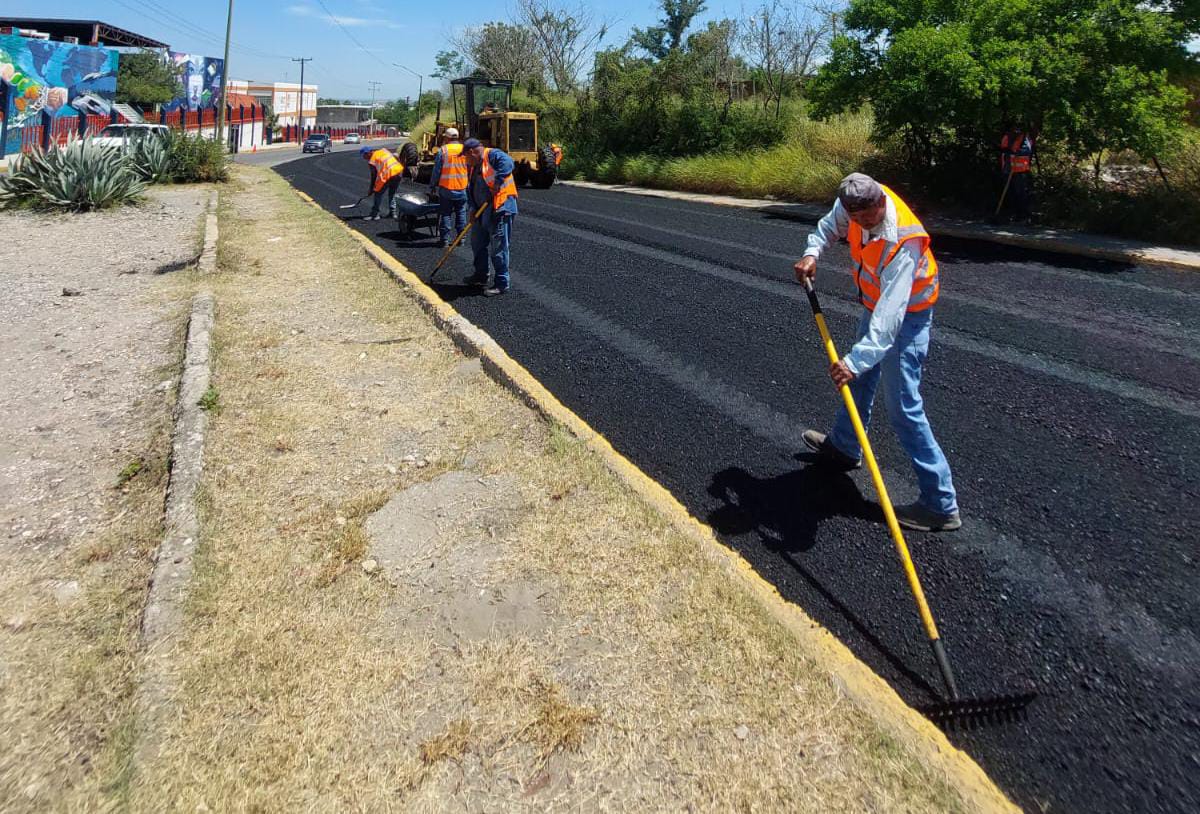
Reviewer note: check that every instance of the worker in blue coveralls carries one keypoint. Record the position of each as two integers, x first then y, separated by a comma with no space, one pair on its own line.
491,183
449,183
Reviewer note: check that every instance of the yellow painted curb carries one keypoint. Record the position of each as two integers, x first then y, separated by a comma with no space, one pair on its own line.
870,692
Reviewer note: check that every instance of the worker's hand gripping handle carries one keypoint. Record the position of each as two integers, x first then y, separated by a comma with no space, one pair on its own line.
889,513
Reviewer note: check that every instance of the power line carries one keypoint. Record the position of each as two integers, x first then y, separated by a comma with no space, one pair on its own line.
353,39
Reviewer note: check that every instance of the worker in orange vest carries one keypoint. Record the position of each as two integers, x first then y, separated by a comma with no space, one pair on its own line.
449,182
386,171
1016,159
897,280
490,185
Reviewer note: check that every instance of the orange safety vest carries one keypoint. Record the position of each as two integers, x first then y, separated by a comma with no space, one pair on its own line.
870,259
386,167
1008,157
558,153
454,168
507,190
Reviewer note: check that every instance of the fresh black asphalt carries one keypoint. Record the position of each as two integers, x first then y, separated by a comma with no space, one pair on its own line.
1066,393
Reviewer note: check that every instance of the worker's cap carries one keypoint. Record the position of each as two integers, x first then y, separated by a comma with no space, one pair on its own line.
366,151
858,191
471,144
451,132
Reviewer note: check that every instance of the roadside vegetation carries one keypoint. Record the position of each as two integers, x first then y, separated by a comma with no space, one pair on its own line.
85,175
788,97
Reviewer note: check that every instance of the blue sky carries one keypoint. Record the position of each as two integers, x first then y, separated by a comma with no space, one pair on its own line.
268,33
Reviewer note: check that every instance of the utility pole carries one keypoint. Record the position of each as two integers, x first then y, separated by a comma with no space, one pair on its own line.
420,86
300,101
224,74
374,87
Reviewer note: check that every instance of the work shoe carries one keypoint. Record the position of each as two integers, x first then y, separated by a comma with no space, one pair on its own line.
473,280
493,291
443,244
918,518
828,453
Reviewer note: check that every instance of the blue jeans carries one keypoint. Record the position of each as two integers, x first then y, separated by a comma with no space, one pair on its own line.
452,212
388,189
489,238
901,372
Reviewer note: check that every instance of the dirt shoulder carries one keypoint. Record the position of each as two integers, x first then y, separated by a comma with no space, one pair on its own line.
90,329
413,594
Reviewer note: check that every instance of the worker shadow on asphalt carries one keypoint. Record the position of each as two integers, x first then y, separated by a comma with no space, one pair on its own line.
450,291
785,511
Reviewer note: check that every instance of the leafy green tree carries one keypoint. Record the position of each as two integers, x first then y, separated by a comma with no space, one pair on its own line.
659,40
450,65
948,76
145,79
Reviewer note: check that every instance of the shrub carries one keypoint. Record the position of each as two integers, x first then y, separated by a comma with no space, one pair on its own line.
196,159
150,159
79,176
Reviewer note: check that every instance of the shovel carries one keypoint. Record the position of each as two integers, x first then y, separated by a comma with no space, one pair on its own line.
955,710
356,203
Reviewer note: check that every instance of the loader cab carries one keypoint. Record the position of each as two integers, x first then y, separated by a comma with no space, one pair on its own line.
481,104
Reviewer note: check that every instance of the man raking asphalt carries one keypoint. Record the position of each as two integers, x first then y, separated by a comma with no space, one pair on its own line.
878,224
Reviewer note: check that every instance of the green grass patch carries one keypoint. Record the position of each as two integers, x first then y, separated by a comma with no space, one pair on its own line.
210,401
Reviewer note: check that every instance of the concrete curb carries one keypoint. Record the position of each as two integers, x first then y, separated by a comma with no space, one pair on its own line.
162,616
208,255
1049,240
868,691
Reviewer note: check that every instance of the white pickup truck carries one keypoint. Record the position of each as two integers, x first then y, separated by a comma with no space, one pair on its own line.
121,135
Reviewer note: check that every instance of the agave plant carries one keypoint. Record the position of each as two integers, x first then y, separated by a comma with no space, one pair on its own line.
150,159
80,175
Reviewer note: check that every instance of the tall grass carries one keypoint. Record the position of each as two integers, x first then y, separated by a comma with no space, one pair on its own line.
807,166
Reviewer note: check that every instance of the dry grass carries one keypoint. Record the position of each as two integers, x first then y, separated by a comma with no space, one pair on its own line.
312,685
67,668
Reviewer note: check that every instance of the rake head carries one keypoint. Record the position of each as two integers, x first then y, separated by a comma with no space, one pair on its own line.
977,713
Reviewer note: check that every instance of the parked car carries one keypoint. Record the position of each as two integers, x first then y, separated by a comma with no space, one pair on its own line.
318,143
120,135
352,138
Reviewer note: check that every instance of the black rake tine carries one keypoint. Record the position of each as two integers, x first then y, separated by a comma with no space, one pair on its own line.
975,713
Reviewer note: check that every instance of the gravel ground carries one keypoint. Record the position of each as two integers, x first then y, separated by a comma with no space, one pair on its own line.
76,366
90,337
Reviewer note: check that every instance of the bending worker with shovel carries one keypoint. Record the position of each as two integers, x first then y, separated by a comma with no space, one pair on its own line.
897,279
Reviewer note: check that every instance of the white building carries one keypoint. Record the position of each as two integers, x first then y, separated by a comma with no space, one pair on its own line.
283,97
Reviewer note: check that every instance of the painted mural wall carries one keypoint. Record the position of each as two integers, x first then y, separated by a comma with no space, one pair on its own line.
200,77
53,78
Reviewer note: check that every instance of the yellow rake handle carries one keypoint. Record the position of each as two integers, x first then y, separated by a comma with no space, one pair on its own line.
458,239
888,512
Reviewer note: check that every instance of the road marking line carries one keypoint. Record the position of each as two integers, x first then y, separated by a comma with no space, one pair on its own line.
960,340
1183,259
1118,331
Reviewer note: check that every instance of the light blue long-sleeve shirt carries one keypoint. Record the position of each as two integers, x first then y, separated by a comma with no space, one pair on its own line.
895,283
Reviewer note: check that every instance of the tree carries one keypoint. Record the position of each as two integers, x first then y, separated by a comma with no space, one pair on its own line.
145,79
783,46
948,76
566,38
450,65
667,36
503,51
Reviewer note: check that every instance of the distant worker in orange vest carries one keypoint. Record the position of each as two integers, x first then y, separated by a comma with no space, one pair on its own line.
490,185
558,153
386,171
897,280
449,182
1016,159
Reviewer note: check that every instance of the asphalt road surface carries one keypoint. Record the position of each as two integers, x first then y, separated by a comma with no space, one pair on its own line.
1065,392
